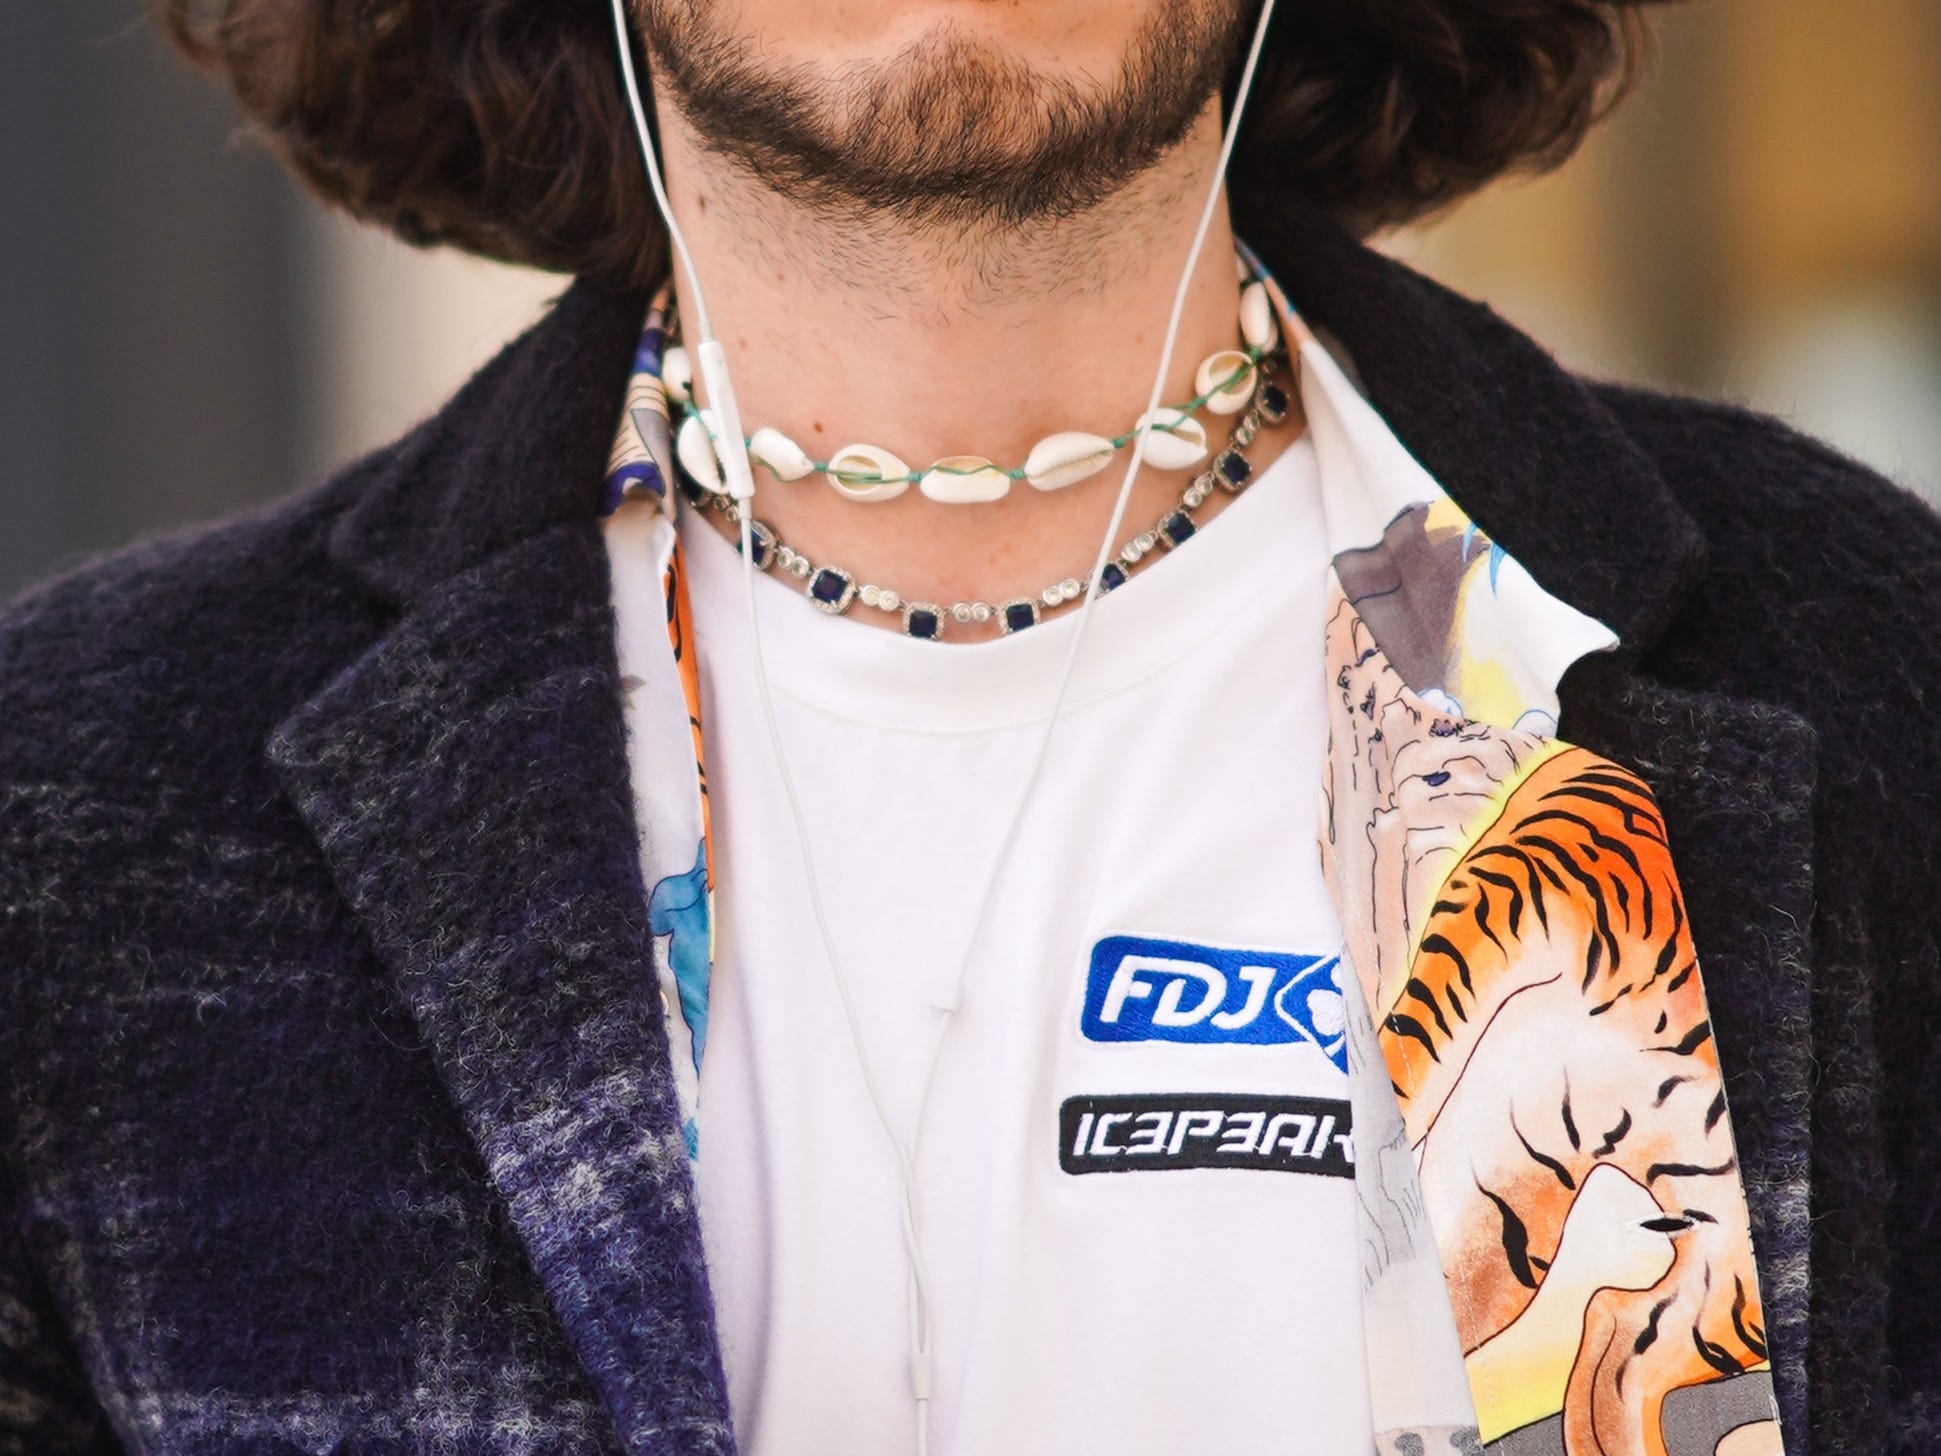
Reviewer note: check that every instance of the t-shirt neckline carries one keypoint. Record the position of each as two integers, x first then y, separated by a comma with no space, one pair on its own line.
859,671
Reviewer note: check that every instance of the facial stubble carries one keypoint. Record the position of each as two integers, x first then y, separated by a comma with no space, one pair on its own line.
949,131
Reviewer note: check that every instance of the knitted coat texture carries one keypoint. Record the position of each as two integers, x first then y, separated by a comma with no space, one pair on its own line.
336,1113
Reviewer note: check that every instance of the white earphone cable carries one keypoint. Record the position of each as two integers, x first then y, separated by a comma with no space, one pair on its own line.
738,474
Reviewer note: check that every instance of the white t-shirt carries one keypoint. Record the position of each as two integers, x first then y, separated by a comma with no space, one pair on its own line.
1135,1169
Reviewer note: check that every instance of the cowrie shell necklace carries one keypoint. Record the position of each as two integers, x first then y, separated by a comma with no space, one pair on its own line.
835,590
1224,384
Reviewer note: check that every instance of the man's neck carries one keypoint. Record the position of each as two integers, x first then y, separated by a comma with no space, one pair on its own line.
930,344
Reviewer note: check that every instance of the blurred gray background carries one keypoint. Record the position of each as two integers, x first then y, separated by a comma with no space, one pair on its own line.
189,334
148,279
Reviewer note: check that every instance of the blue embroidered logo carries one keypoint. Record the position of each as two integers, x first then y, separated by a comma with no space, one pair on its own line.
1171,990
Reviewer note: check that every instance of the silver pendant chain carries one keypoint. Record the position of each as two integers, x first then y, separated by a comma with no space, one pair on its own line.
835,590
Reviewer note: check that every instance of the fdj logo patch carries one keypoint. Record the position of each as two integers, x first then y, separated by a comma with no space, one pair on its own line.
1171,990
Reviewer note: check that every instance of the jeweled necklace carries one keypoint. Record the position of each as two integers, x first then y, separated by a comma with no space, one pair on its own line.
836,590
1225,384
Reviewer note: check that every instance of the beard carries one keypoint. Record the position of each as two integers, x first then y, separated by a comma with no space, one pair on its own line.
949,131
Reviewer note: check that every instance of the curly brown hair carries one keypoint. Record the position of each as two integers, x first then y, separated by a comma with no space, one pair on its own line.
498,126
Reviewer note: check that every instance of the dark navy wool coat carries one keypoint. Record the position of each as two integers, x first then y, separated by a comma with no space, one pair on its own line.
335,1105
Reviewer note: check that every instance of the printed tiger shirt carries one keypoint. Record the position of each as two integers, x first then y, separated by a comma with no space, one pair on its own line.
1557,1246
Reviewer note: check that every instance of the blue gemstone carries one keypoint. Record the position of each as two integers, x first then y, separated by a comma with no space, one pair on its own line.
1019,615
763,541
1234,467
1273,404
830,585
1113,577
1176,528
923,622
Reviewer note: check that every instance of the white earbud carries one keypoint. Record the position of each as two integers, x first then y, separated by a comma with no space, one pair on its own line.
732,450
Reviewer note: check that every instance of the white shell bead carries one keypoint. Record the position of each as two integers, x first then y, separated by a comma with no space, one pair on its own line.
959,480
1177,440
868,462
696,453
1216,367
677,375
785,459
1067,458
1256,316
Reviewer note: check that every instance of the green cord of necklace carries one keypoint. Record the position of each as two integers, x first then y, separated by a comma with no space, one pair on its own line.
1254,354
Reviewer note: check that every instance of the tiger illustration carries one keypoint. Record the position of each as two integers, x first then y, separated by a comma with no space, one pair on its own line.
1512,911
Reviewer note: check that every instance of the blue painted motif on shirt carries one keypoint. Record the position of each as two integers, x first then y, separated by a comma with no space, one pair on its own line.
678,907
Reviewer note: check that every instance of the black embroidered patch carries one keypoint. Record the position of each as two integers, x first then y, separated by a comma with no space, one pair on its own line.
1127,1134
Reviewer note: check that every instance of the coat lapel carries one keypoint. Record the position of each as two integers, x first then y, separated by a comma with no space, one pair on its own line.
1735,782
467,780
